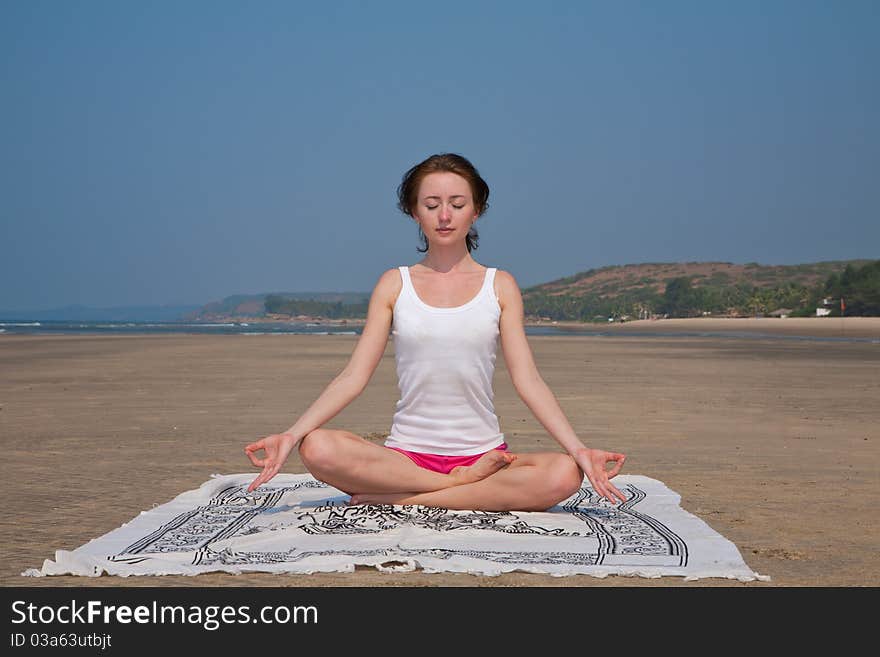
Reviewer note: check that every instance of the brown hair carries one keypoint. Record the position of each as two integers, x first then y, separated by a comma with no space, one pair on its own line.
408,190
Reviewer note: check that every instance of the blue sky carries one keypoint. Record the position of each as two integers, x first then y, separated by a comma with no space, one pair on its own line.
179,152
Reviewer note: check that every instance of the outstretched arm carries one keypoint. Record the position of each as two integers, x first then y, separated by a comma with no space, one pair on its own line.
337,395
540,399
341,391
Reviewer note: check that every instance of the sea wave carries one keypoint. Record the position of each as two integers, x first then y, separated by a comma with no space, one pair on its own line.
206,324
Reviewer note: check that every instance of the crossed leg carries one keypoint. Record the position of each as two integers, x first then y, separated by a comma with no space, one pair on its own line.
354,465
499,481
533,482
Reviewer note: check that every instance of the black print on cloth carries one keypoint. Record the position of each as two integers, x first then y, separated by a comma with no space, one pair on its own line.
375,518
231,558
613,531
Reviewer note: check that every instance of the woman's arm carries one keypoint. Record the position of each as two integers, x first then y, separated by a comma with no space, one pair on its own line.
527,381
535,393
342,390
370,348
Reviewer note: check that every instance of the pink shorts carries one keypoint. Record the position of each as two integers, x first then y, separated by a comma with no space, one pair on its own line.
441,463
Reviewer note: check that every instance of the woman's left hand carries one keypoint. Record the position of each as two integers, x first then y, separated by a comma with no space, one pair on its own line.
592,462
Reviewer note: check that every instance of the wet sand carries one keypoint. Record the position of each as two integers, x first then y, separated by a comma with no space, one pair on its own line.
774,443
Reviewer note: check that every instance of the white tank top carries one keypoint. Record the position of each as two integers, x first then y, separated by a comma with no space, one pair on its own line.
445,364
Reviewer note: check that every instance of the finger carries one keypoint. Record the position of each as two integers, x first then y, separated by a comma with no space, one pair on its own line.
617,466
260,480
256,483
607,490
616,492
256,461
606,493
254,447
271,471
598,488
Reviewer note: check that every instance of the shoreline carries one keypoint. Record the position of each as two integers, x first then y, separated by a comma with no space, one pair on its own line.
858,328
357,321
818,326
852,327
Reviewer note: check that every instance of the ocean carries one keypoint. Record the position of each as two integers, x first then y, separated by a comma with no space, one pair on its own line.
80,327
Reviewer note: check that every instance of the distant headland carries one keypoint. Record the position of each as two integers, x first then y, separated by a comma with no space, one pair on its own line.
622,293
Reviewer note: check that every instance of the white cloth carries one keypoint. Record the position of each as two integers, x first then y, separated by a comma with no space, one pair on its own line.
295,524
445,363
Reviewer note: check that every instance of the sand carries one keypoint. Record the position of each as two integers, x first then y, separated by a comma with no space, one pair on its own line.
773,442
823,327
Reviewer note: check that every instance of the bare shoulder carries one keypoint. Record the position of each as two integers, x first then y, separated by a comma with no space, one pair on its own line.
388,287
507,289
374,337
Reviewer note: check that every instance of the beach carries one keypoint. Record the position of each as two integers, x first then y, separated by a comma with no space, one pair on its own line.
817,327
773,442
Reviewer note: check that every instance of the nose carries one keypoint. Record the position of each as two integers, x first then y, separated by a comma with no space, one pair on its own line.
445,212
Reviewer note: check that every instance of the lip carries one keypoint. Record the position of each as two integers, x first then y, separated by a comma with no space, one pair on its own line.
445,230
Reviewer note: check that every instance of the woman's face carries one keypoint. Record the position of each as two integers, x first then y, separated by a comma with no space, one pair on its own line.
445,201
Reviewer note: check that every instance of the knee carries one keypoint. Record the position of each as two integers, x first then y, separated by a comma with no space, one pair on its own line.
567,478
316,449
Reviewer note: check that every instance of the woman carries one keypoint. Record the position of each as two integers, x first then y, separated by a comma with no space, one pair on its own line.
447,312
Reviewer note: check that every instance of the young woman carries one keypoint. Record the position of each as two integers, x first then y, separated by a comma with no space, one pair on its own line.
446,313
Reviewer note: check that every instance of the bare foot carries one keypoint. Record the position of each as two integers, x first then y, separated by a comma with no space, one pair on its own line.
489,463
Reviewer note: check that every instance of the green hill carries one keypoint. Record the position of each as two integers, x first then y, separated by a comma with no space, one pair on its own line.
318,304
685,289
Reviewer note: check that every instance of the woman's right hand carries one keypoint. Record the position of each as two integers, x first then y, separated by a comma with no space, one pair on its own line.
277,447
592,462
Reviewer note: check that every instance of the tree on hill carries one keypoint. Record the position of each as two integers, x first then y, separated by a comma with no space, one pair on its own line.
277,304
859,287
680,299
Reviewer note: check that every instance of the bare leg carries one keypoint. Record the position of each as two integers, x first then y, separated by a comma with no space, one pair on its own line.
348,462
534,482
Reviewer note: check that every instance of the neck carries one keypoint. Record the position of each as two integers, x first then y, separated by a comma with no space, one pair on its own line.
453,258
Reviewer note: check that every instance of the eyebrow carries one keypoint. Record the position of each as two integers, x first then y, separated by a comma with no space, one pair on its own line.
455,196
